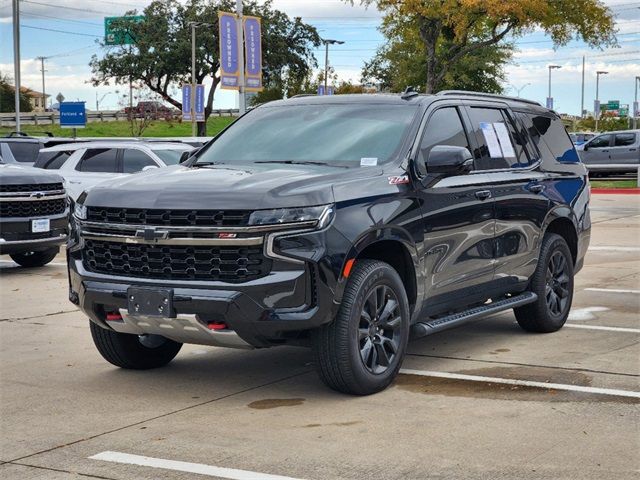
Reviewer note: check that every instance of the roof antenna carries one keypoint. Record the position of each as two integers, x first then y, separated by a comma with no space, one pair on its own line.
408,93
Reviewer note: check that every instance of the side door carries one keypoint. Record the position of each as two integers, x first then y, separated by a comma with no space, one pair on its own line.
597,150
458,218
134,160
625,149
517,188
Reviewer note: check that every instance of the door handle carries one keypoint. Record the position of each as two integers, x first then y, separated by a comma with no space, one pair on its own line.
536,188
483,194
605,151
632,149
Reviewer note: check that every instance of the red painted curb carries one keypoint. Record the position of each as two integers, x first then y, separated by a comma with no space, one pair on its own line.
609,191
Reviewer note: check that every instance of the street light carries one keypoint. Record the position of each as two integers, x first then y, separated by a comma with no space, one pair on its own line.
328,42
636,108
518,90
549,98
597,113
98,102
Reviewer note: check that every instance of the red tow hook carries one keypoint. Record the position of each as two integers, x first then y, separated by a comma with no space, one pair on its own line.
114,317
217,326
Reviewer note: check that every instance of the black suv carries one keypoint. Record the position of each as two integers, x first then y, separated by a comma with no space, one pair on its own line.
347,223
33,214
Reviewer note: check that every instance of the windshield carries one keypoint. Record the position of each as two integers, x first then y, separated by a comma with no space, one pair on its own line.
170,157
337,134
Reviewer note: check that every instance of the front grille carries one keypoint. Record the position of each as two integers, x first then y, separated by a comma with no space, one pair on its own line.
36,208
36,187
187,218
223,263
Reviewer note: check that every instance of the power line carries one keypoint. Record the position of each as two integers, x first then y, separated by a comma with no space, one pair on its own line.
42,15
65,7
61,31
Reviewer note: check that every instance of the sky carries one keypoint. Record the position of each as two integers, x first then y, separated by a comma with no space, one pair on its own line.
66,31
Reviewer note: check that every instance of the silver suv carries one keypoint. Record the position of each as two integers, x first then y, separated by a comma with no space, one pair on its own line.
612,152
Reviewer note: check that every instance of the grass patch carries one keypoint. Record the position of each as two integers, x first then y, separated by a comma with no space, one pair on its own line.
632,183
159,128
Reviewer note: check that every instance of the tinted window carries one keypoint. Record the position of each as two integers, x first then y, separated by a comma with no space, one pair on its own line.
444,128
52,160
496,149
600,142
172,157
135,160
99,160
24,151
339,134
555,136
624,139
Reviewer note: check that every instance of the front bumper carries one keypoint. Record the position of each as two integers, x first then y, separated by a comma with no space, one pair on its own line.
293,298
16,235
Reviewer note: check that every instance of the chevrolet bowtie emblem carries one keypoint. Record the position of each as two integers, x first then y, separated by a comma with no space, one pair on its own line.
151,234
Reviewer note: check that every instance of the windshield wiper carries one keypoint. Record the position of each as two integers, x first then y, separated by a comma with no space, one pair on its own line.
205,164
301,162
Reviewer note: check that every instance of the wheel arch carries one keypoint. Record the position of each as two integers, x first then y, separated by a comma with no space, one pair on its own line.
561,223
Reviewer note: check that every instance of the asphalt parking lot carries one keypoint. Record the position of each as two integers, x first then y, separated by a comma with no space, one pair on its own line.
66,413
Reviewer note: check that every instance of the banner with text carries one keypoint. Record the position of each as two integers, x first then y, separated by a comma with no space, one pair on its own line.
253,53
229,68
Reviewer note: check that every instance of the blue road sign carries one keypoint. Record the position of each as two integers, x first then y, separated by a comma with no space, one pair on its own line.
321,90
72,115
186,103
550,103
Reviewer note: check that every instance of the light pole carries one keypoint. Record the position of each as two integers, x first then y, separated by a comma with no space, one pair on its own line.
328,42
549,98
636,108
518,90
597,114
16,59
98,102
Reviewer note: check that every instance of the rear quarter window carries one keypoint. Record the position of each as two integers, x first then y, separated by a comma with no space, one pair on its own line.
52,160
24,151
552,132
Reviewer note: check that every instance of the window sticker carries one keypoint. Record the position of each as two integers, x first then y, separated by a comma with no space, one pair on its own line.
492,140
504,139
368,161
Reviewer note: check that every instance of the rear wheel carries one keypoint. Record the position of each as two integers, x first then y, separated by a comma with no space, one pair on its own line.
361,351
35,259
553,283
138,352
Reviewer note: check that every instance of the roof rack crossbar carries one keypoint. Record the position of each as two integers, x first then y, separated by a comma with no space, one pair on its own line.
489,95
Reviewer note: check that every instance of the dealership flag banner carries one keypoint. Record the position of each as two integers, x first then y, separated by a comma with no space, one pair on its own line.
253,53
229,68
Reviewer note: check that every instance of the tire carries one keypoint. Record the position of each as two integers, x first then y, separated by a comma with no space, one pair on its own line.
345,349
127,351
35,259
553,283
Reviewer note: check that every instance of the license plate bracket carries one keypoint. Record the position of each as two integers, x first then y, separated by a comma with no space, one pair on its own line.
150,302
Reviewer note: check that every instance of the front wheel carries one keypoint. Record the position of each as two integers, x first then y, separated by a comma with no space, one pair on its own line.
137,352
553,283
361,351
35,259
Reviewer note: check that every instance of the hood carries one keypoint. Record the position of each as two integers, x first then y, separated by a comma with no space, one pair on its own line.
251,187
15,174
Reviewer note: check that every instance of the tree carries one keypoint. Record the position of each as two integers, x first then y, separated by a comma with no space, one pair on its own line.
451,30
7,96
402,60
161,56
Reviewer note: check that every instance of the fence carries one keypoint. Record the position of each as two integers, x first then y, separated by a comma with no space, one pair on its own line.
50,118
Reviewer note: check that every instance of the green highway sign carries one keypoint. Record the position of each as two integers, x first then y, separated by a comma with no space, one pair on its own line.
623,111
117,34
613,104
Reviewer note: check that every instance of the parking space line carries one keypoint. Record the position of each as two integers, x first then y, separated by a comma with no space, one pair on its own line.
523,383
611,290
608,329
188,467
613,248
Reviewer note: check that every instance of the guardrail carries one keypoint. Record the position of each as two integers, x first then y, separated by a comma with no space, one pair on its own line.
51,118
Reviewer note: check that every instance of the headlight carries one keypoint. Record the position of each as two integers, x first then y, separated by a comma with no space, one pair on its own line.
321,214
79,211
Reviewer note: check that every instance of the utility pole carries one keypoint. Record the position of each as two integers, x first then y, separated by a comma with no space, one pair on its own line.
242,100
597,114
582,96
549,98
16,59
328,42
636,109
44,95
194,132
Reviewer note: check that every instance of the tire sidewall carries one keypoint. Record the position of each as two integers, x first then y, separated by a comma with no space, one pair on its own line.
553,244
383,275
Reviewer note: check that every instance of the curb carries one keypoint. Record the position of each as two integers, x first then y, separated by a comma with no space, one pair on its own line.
615,191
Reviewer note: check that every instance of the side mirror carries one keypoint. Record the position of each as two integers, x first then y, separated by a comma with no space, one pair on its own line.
585,147
449,160
149,167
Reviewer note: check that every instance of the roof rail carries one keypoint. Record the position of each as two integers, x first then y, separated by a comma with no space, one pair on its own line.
490,95
304,95
409,93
